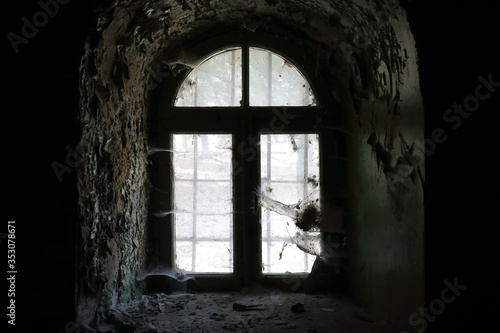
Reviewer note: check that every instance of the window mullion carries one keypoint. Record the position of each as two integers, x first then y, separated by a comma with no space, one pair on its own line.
195,208
254,212
269,78
268,212
246,177
238,205
245,76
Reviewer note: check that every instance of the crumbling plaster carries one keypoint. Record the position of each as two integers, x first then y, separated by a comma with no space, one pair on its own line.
367,56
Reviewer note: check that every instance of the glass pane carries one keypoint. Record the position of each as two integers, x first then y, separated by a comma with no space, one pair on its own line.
215,82
184,225
289,185
274,81
281,256
214,254
203,202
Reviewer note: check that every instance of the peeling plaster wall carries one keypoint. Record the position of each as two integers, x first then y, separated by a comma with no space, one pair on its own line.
366,56
112,178
387,233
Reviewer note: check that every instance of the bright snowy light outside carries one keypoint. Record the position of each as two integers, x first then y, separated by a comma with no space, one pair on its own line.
290,174
203,204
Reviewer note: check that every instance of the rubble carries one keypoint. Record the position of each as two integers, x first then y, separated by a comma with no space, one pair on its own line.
259,310
247,307
297,308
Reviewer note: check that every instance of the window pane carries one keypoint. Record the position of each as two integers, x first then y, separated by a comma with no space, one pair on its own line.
184,225
274,81
203,202
282,256
290,178
212,254
215,82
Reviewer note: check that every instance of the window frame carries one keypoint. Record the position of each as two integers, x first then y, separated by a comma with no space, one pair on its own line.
242,122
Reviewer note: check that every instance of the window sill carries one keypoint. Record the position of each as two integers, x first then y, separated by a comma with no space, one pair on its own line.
225,282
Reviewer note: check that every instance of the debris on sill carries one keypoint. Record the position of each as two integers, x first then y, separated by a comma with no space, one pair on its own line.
212,312
328,309
135,315
247,307
298,308
217,316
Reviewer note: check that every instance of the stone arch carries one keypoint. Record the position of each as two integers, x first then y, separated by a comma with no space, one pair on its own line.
364,52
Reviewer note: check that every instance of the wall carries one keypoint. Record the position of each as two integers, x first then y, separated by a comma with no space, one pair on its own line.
366,57
387,232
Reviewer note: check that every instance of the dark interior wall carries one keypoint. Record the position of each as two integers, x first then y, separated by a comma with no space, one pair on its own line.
367,59
387,234
454,42
112,178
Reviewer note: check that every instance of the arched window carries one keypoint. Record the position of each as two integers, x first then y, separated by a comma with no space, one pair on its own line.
217,81
245,161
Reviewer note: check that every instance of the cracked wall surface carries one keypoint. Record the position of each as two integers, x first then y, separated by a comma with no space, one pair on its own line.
365,58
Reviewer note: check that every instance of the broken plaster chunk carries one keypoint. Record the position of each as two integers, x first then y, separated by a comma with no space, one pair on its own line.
182,296
284,324
217,316
328,309
297,308
231,327
148,327
247,307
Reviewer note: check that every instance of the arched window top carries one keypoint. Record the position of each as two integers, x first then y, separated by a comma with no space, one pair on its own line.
219,81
